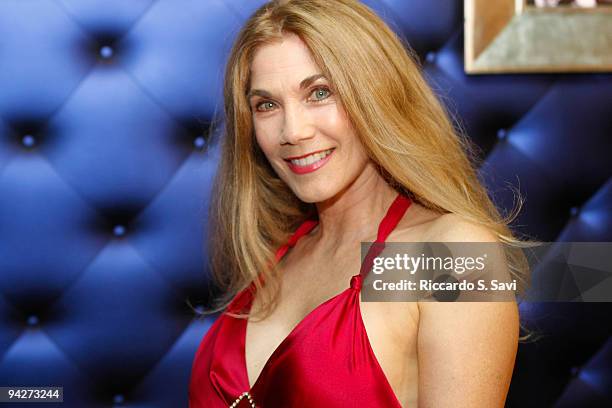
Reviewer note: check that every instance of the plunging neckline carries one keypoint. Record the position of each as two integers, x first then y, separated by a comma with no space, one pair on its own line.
384,229
285,340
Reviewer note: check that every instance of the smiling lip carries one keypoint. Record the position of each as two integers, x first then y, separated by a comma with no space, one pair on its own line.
309,168
306,155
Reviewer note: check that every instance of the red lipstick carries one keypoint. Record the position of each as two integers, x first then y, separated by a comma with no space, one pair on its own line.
308,168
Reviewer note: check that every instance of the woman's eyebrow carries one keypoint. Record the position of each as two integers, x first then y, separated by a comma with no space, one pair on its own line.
304,84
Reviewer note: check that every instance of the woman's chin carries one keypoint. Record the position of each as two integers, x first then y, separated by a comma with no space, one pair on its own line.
312,196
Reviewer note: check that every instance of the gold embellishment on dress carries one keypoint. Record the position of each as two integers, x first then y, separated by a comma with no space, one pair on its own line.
241,397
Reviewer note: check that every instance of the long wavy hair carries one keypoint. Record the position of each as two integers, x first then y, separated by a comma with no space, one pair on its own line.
402,125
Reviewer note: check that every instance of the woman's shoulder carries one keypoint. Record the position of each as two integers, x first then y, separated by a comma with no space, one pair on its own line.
421,224
451,227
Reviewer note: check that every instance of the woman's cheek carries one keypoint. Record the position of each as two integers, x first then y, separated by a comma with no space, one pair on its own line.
327,116
264,137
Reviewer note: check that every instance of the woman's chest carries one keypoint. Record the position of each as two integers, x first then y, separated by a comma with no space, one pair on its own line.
390,327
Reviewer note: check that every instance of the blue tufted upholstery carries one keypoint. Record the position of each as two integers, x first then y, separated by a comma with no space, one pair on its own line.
105,173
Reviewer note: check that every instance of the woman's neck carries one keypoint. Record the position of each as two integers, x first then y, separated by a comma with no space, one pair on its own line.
353,214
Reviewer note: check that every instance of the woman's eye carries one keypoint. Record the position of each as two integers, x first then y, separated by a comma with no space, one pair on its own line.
267,103
321,94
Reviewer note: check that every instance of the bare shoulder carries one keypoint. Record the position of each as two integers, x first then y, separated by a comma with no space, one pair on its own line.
471,345
421,224
451,227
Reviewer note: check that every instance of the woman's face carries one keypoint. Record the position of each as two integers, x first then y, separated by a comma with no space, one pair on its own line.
300,124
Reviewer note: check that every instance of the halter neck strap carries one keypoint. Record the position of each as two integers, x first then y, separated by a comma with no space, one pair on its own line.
394,214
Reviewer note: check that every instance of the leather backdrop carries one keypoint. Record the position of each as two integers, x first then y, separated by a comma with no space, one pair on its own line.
106,169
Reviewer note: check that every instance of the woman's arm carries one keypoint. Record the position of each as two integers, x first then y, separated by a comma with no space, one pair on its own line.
466,353
466,350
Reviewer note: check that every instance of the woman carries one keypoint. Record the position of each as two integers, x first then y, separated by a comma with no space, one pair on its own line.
333,138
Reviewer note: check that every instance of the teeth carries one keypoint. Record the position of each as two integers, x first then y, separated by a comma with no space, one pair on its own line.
313,158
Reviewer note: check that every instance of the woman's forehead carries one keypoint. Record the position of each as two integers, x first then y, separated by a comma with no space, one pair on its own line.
291,56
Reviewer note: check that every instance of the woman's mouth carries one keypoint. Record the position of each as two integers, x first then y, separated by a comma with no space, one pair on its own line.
310,163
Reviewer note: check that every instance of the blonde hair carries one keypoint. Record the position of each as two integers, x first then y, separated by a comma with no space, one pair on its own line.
400,122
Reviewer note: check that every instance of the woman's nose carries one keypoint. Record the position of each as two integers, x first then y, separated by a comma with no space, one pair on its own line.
297,126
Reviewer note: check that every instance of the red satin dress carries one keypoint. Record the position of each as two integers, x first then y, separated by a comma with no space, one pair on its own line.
325,361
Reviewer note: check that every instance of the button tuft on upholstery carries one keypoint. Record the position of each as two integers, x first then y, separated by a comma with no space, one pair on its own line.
28,140
33,320
430,57
502,134
574,211
106,52
199,142
119,230
118,399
